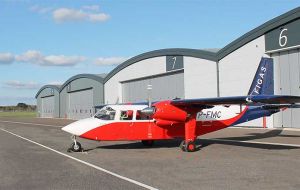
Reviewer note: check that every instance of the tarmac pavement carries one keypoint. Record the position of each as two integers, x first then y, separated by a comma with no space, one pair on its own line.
223,161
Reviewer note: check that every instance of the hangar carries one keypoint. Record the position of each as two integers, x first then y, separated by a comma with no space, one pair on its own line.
79,95
48,101
194,73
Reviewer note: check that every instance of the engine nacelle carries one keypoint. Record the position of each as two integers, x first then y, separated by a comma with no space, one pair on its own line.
167,112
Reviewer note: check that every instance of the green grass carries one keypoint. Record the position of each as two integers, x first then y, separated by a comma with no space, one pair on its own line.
18,114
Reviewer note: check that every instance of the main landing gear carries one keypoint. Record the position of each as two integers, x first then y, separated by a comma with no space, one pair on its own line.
189,146
75,146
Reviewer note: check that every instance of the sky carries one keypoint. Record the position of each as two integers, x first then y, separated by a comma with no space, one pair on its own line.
47,42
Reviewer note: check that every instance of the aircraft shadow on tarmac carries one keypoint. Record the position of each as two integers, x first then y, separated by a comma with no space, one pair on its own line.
256,136
202,143
138,145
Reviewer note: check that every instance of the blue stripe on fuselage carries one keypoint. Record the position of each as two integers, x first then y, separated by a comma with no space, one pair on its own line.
254,112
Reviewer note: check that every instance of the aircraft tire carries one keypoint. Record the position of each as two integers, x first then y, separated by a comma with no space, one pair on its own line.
76,148
191,146
148,143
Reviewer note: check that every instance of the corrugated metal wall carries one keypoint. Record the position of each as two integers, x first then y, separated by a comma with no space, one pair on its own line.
80,104
47,108
164,87
287,82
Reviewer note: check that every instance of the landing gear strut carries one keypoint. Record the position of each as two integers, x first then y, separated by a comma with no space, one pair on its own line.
188,144
75,146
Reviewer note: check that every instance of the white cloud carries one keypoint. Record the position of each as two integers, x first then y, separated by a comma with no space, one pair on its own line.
67,14
6,58
100,17
32,56
62,60
110,60
36,57
21,85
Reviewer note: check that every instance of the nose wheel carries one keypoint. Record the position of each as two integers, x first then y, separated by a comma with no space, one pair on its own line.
75,146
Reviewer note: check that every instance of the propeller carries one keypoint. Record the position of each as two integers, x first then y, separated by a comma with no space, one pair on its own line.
149,88
149,111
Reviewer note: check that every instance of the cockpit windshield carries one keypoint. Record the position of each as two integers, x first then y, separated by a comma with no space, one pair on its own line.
106,113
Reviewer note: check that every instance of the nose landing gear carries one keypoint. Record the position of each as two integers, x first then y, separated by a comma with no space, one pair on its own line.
75,146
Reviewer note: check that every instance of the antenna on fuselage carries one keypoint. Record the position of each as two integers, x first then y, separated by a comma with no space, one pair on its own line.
149,89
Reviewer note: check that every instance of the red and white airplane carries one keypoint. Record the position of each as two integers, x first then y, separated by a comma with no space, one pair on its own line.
183,118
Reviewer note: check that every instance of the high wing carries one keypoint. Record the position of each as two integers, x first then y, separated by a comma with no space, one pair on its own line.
245,100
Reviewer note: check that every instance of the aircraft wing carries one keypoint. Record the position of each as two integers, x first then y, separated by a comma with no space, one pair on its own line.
246,100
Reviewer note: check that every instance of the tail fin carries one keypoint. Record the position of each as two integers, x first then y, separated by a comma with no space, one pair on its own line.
263,82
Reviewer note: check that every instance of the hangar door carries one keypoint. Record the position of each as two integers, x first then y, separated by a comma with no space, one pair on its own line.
287,82
164,87
80,104
47,106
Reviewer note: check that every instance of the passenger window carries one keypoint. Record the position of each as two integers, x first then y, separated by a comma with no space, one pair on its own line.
126,115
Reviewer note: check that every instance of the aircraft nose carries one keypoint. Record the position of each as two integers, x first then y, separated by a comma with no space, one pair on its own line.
71,128
82,126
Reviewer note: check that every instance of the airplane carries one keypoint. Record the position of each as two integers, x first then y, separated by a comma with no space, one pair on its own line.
183,118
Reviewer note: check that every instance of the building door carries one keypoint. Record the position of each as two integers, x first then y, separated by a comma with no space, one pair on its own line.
80,104
164,87
47,107
287,82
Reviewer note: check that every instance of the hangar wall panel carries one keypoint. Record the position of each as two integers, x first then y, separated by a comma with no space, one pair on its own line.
287,82
147,67
48,103
237,71
47,108
81,84
200,78
80,104
164,87
238,68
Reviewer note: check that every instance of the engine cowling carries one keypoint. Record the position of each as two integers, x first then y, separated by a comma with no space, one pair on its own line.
166,112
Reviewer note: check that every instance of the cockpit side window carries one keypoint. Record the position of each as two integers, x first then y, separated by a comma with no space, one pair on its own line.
106,113
126,115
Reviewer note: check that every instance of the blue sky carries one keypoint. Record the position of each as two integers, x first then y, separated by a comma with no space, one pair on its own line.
47,42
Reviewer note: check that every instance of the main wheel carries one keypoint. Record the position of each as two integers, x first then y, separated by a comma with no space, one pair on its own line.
191,146
188,146
76,147
148,143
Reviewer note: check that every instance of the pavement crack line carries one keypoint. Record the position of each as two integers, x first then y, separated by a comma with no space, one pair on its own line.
83,162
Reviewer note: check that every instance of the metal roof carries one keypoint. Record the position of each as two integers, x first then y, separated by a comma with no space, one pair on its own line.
163,52
55,87
89,76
